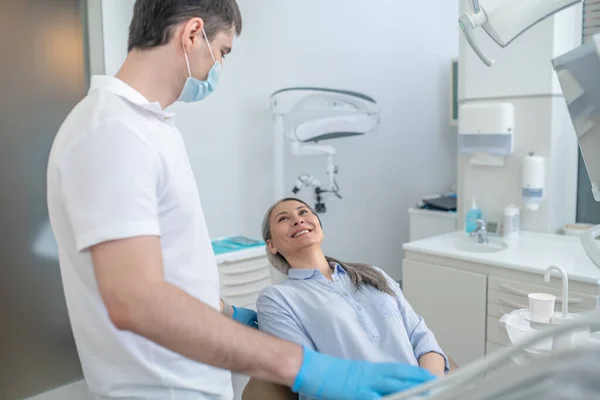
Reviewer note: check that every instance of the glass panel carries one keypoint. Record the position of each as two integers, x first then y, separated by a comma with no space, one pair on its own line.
588,209
42,76
577,72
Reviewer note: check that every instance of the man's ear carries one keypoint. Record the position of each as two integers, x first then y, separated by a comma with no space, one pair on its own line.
192,31
271,247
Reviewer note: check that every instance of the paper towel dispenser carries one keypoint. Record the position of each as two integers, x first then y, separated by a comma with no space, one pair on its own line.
486,132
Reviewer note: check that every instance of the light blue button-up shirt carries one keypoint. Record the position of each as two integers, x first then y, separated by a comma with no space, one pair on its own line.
334,318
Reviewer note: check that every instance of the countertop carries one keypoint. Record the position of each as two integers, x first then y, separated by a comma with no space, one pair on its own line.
241,255
529,251
432,213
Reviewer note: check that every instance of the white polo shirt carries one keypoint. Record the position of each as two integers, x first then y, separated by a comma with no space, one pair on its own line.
118,169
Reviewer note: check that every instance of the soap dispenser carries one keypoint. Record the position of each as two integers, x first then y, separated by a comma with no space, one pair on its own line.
473,215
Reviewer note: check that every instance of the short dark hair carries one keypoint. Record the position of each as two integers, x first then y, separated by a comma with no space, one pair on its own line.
153,20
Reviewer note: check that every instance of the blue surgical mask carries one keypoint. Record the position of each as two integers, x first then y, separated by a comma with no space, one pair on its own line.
195,89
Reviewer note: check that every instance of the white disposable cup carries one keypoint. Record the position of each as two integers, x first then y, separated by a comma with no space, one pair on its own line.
541,306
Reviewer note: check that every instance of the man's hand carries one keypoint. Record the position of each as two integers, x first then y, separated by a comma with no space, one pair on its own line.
325,377
245,316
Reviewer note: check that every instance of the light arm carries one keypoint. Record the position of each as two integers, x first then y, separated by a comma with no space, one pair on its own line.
468,23
507,20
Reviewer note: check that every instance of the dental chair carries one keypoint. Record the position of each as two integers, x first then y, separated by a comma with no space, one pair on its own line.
261,390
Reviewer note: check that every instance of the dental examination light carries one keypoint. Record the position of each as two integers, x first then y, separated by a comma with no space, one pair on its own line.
306,117
506,20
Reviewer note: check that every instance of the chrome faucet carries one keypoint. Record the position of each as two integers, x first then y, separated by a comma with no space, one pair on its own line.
480,232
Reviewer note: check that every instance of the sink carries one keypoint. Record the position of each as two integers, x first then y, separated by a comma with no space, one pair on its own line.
470,245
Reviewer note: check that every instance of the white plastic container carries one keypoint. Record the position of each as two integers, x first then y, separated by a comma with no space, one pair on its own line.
541,306
576,229
519,329
512,220
533,181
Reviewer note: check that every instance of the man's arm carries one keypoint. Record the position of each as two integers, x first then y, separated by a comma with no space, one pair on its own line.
130,278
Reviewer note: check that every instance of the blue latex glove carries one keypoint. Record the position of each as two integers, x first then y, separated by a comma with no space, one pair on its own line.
245,316
324,377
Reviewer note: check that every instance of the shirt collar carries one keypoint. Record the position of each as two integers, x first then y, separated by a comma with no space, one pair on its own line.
121,89
307,274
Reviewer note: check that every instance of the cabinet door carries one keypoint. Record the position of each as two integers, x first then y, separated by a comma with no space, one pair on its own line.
453,304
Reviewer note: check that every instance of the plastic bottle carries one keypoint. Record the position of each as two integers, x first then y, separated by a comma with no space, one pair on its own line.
472,216
512,220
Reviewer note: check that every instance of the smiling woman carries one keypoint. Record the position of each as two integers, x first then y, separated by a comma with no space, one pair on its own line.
290,219
348,310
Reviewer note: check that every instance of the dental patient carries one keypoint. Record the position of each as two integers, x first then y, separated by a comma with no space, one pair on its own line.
347,310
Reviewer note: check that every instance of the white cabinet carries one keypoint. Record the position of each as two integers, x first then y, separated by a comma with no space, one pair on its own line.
462,302
428,223
243,276
453,304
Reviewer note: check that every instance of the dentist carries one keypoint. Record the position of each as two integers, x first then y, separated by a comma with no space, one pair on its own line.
139,274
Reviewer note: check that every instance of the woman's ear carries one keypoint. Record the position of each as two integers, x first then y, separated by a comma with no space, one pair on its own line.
271,247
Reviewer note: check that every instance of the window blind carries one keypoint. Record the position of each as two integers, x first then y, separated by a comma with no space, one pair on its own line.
591,18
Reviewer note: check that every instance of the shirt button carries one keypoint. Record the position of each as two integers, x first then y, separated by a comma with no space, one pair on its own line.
345,293
359,308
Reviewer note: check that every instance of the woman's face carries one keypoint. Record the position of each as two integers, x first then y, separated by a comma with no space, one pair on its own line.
293,227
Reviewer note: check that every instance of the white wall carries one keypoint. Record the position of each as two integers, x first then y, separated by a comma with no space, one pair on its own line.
381,48
116,15
523,75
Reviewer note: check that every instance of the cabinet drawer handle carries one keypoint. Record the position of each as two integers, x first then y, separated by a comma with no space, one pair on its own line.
511,303
575,300
524,293
512,290
241,282
242,292
238,271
